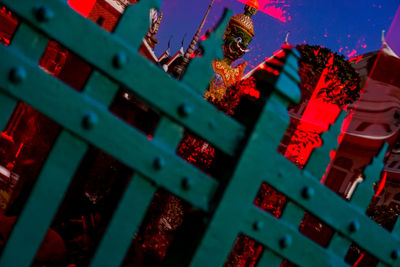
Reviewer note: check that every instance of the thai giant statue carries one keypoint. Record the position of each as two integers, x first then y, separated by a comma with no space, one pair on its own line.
237,37
167,211
224,89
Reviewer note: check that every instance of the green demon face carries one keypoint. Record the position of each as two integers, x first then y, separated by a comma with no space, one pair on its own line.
236,42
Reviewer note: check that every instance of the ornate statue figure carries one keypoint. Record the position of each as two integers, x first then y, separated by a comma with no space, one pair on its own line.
167,211
225,88
237,37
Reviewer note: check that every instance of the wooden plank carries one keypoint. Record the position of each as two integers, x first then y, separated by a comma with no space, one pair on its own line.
29,42
320,157
124,223
93,122
43,202
269,258
288,242
101,88
168,133
221,232
148,81
278,172
339,245
292,214
32,45
364,191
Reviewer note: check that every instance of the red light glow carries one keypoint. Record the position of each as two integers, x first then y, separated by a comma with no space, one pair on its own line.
276,9
316,119
8,25
381,185
83,7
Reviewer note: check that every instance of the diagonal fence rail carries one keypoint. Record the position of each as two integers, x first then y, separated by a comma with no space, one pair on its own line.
87,120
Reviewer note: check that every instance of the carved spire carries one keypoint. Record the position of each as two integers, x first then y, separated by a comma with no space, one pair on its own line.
192,46
287,38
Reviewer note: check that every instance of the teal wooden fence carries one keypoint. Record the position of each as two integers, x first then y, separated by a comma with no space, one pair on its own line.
85,119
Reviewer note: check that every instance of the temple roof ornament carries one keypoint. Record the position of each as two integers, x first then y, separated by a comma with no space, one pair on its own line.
179,69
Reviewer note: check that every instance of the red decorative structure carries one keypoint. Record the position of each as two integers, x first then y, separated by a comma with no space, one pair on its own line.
8,25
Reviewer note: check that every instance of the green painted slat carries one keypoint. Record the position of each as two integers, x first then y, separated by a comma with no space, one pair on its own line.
168,133
101,88
225,238
124,223
289,180
33,45
29,42
292,214
381,265
339,245
293,62
199,72
286,178
297,248
287,83
320,158
336,212
133,24
396,228
270,259
43,202
92,121
364,191
150,82
221,232
7,105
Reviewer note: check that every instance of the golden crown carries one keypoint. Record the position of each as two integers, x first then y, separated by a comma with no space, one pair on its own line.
244,21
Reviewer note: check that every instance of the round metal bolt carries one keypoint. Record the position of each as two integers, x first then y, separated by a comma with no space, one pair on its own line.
17,75
186,183
120,60
395,254
285,241
89,120
185,110
158,163
354,226
258,225
307,192
280,174
43,13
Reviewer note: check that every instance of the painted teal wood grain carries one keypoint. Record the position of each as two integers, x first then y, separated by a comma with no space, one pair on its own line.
269,258
124,223
43,202
363,195
168,133
320,158
292,214
339,245
29,42
299,248
138,74
7,105
120,140
287,84
100,88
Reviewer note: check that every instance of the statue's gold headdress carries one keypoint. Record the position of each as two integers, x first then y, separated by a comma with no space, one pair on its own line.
244,21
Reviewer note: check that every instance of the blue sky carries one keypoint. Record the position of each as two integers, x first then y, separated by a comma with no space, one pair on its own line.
351,27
